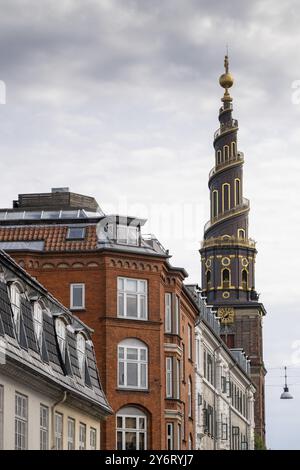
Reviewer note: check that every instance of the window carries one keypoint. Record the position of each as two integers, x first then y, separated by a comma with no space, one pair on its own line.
132,298
93,439
81,353
215,209
208,279
198,352
179,436
1,415
169,377
208,366
131,429
241,233
233,149
168,313
60,328
177,379
245,279
219,157
44,427
226,152
132,364
82,436
15,297
127,235
190,342
190,398
225,278
235,437
21,422
225,197
76,233
237,192
71,434
177,315
77,294
170,436
58,428
38,323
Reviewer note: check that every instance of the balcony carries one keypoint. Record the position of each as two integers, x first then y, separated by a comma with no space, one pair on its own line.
232,124
239,159
244,206
229,241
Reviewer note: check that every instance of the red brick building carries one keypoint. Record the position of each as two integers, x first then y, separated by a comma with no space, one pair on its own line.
123,286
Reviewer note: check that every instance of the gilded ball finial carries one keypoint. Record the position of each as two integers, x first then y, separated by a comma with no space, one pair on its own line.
226,79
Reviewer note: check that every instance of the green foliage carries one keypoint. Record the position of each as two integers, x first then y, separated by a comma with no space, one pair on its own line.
259,443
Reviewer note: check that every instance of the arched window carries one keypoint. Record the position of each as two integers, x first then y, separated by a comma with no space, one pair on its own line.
60,328
219,157
132,364
233,150
226,196
241,233
225,278
237,192
15,298
38,323
131,429
226,153
215,208
80,340
245,279
208,278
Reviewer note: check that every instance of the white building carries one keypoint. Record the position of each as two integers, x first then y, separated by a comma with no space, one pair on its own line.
50,392
224,392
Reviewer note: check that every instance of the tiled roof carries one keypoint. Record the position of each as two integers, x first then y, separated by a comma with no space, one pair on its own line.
54,237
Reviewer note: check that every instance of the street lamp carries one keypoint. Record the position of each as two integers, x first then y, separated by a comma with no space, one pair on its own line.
285,394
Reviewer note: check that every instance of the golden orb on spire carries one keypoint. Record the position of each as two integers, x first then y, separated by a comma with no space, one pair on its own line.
226,79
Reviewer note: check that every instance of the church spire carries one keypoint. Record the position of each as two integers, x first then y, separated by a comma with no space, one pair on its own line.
226,81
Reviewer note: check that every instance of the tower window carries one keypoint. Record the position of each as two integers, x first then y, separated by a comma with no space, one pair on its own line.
225,278
219,157
215,203
233,150
226,152
237,191
245,279
226,197
241,233
208,279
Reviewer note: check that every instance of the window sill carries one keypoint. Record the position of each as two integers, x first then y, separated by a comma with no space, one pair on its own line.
131,318
77,309
131,390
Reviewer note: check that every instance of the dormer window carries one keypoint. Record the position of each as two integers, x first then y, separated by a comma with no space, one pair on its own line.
81,352
76,233
127,235
60,328
38,323
15,298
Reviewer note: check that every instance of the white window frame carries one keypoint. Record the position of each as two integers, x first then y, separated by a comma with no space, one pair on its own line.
61,333
170,436
127,239
190,398
168,312
198,352
82,436
141,296
142,364
71,433
80,237
190,344
59,430
179,436
38,323
81,352
44,427
15,299
176,315
1,416
131,412
178,378
169,377
73,286
93,439
21,421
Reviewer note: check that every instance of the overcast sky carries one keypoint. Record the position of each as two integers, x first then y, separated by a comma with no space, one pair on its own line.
119,99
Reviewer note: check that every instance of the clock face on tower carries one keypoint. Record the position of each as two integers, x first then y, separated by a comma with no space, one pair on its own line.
226,314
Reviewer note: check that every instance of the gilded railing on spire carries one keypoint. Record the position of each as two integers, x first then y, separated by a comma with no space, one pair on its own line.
245,205
228,241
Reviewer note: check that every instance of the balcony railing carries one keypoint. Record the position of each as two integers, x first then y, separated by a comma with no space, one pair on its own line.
232,124
226,214
228,241
238,159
